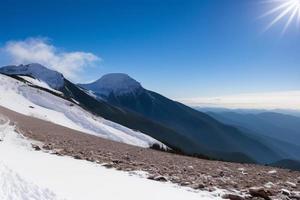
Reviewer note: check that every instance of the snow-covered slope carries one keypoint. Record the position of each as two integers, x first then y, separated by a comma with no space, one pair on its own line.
22,98
34,175
117,83
54,79
39,83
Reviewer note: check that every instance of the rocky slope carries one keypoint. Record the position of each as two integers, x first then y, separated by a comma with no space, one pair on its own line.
241,181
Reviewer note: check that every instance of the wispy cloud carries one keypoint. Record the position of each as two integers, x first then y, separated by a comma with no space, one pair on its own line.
271,100
40,50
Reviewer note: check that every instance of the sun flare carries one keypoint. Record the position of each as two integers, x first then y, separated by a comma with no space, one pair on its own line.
289,9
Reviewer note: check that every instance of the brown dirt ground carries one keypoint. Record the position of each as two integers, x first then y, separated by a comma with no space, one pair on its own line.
188,171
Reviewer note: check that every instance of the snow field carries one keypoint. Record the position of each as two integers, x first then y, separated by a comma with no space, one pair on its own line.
34,175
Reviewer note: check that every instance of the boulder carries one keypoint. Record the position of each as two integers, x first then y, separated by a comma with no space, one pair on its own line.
293,185
272,172
190,167
91,159
295,195
47,146
281,197
260,192
115,161
186,183
158,178
36,147
108,165
79,157
285,192
233,197
198,186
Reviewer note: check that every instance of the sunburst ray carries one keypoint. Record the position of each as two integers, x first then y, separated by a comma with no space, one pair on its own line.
276,9
292,16
298,24
286,8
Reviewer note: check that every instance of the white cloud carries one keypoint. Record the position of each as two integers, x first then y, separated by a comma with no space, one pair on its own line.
271,100
39,50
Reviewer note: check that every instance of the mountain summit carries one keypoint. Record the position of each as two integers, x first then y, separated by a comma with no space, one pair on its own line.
199,133
116,83
53,78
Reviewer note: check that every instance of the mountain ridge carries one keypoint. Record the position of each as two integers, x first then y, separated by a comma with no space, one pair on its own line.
53,78
185,130
199,127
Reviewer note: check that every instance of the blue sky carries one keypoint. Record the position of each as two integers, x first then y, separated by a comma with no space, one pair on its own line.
180,48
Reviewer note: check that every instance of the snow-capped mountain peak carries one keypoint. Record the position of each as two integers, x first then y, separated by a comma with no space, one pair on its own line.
53,78
118,83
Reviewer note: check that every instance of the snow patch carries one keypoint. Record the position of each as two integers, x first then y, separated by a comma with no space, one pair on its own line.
28,174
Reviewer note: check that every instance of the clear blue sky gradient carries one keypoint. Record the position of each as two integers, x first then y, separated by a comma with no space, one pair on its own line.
179,48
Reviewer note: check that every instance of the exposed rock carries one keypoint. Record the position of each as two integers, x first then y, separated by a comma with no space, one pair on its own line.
281,197
58,153
272,172
260,192
190,167
161,178
36,147
198,186
185,183
285,192
91,159
221,174
117,161
293,185
158,178
233,197
47,146
126,157
295,195
269,185
79,157
108,165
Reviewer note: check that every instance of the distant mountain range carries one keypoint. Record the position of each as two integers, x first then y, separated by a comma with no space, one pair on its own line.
280,132
295,112
122,100
280,126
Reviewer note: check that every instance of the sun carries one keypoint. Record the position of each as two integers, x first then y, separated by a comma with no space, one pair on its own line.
289,9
